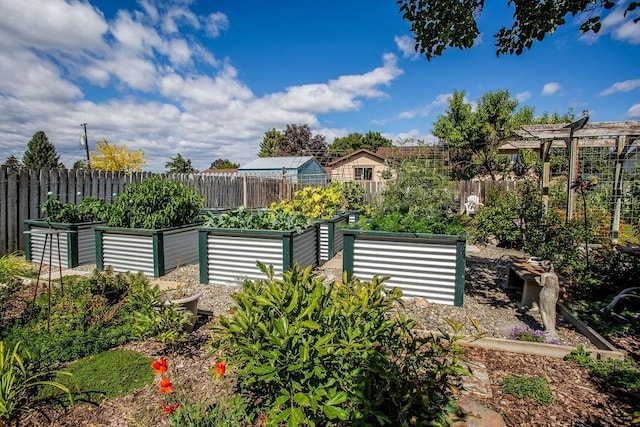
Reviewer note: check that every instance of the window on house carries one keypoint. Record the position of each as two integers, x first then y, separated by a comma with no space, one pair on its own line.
364,174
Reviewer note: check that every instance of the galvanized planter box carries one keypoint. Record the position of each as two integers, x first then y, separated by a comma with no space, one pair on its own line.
77,242
153,252
228,256
421,265
331,236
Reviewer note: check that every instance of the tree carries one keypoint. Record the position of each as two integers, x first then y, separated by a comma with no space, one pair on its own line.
224,164
41,153
356,141
297,140
13,163
476,134
269,144
179,164
440,24
80,164
110,157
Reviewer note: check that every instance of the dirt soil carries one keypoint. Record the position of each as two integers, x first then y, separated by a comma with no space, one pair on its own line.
579,399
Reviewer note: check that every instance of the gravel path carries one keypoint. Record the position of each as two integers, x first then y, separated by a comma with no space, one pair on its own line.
484,300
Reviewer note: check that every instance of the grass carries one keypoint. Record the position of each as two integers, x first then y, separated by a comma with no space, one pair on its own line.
109,374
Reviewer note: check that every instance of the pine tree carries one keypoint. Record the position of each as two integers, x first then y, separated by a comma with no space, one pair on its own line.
41,153
13,163
179,164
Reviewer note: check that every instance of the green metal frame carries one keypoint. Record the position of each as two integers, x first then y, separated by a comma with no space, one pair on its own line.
157,243
286,236
73,257
460,241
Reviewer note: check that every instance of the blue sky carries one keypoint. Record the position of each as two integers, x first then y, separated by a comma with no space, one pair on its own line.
207,79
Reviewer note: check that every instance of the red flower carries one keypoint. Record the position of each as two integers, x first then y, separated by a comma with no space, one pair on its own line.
166,386
169,409
221,367
160,366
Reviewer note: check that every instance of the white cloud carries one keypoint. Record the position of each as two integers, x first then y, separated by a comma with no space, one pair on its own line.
406,46
216,23
177,15
59,25
624,86
439,101
550,88
523,96
617,25
633,113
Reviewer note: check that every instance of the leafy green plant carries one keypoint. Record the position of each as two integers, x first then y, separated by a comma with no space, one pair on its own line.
323,202
108,374
398,222
89,210
262,220
12,266
18,386
316,354
535,388
624,373
155,203
92,315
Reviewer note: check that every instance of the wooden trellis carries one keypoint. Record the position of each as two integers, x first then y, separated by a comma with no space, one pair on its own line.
619,136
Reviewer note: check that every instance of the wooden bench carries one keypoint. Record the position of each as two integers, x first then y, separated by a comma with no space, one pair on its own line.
526,276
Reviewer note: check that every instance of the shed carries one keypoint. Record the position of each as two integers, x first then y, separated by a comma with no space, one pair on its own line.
300,169
360,165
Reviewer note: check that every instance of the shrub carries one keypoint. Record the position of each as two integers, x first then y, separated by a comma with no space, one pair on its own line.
535,388
397,222
155,203
319,355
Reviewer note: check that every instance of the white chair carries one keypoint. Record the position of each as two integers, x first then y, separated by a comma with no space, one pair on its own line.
472,204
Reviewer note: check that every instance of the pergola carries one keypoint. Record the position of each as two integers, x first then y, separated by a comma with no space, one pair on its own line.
620,136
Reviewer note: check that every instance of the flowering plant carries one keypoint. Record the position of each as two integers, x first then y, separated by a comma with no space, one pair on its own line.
525,333
180,410
161,368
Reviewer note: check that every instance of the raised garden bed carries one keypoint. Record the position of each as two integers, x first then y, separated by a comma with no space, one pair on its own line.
421,265
228,256
153,252
76,240
331,238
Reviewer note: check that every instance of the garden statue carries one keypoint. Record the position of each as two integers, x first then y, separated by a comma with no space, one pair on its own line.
548,298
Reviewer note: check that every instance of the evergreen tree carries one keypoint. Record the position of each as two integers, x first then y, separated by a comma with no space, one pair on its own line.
179,164
269,144
41,153
13,163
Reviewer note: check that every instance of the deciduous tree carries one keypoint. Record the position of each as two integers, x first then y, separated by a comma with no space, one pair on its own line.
224,164
356,141
179,164
110,157
41,153
440,24
297,140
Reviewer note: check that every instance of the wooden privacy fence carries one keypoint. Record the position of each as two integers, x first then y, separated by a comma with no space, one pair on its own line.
22,192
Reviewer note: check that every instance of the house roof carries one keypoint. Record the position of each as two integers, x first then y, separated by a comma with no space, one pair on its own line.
277,163
355,154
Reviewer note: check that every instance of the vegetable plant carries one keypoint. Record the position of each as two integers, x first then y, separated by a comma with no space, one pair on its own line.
89,210
323,202
155,203
262,220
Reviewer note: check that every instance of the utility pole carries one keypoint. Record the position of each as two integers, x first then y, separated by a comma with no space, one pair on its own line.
86,144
